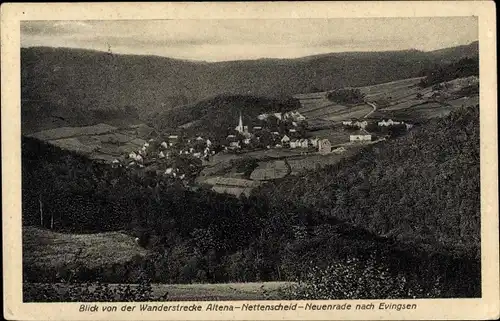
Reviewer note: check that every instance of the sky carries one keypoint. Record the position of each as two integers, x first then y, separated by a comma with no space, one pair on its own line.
238,39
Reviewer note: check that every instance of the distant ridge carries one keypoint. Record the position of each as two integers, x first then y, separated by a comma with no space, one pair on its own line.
64,82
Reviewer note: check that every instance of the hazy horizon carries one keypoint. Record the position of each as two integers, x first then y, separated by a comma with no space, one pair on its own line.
231,39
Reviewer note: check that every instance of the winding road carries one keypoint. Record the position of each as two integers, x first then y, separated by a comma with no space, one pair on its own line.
371,105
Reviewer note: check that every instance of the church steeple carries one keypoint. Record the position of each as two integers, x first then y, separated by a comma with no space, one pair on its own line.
239,128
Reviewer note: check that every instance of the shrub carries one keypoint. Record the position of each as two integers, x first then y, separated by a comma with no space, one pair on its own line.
346,96
354,278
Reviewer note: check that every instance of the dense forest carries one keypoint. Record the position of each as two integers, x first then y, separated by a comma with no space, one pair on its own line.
409,207
216,115
465,67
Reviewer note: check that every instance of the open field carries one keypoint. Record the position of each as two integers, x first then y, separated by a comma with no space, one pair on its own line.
193,292
317,105
43,247
270,170
395,89
102,141
67,132
400,94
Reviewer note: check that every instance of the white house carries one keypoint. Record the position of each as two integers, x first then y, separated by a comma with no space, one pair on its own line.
161,155
257,127
339,150
292,130
275,133
234,144
389,122
304,143
409,126
146,145
197,155
164,145
208,143
262,116
246,141
278,115
139,159
115,161
132,155
360,136
294,124
361,124
314,142
285,139
199,138
294,144
347,122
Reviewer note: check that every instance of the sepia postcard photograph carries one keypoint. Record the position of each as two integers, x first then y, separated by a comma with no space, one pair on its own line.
250,161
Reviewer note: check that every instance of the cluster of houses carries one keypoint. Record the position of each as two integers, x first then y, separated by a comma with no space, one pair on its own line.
291,115
362,135
163,154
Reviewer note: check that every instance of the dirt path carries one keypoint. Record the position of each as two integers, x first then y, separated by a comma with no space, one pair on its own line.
371,112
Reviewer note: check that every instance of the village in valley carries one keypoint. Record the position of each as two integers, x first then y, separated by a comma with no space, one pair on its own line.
273,143
339,175
259,147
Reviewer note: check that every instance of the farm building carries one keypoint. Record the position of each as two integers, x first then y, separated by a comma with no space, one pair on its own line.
339,150
285,139
347,123
257,127
389,122
164,145
324,146
361,124
304,143
314,142
234,186
360,136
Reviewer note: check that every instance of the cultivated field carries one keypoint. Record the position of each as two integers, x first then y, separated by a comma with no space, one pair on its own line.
100,141
270,170
401,96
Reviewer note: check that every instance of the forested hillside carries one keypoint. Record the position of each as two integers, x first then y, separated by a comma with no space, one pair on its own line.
422,188
61,82
411,206
214,116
